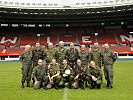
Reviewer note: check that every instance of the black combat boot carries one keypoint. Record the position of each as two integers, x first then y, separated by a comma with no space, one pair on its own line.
92,86
28,84
22,86
56,87
81,85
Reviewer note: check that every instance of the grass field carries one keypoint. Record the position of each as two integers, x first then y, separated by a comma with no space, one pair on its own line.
10,86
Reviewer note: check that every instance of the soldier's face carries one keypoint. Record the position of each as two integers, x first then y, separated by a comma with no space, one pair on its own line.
79,63
61,44
40,63
28,49
95,45
64,62
53,62
50,46
92,64
72,45
106,47
37,45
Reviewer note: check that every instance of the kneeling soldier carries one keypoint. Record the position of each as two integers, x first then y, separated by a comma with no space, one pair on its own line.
79,75
40,75
54,74
66,74
94,75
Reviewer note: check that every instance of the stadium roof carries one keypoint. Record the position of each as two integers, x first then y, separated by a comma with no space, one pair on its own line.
62,4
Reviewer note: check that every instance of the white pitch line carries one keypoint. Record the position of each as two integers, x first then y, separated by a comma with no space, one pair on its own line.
65,94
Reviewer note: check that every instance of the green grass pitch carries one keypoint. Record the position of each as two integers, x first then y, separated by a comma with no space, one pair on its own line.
10,86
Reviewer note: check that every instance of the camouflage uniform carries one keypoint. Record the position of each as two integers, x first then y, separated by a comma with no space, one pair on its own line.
84,57
97,73
72,56
60,54
53,70
49,55
68,78
37,54
40,73
26,60
96,56
80,71
109,58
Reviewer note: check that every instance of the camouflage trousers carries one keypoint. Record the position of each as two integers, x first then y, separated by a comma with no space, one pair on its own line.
109,73
26,72
38,84
55,82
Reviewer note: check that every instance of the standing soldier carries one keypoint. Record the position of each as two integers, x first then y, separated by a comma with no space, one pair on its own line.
54,74
60,53
49,54
40,75
84,56
26,60
79,75
37,54
96,55
109,58
94,75
66,74
72,55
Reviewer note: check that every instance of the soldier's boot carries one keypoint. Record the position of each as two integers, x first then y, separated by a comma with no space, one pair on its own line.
92,86
56,86
22,86
98,86
33,81
28,84
45,87
81,85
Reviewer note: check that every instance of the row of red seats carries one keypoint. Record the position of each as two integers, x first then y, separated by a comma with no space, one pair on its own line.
81,39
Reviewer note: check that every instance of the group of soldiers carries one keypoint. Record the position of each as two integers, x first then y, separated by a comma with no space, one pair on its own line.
67,67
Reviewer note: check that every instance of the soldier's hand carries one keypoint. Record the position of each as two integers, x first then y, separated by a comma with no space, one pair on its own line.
76,77
93,78
36,82
64,75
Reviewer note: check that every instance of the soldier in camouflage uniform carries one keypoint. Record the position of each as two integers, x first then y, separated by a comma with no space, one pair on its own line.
66,77
72,55
40,75
37,54
26,60
109,58
54,74
79,75
96,55
60,53
49,54
94,75
84,56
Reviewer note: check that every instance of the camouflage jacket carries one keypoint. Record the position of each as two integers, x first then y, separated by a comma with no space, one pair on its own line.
60,54
26,57
84,57
96,56
37,54
53,69
72,55
49,55
40,72
109,57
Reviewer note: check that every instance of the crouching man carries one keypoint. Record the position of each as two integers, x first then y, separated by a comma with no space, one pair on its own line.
79,75
54,74
66,74
94,75
40,75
